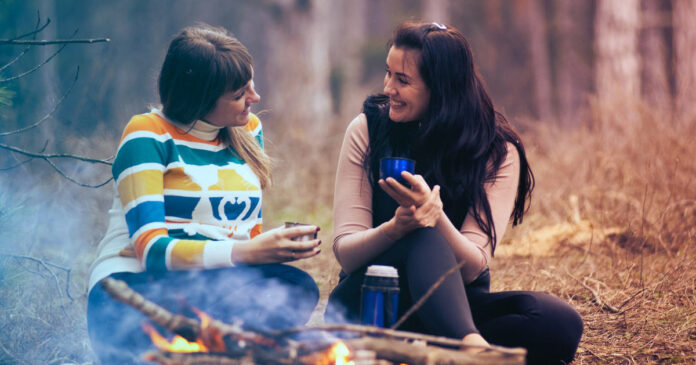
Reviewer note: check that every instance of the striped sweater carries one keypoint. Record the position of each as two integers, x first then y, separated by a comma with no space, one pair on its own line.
186,200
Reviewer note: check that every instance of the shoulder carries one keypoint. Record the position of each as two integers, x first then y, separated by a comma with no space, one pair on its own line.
148,122
510,166
357,130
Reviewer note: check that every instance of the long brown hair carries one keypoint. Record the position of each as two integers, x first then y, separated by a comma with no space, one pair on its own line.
202,63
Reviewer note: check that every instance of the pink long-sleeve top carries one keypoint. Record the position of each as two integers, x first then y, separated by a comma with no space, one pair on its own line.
356,242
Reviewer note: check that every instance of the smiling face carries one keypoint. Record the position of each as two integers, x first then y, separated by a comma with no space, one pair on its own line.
408,94
232,108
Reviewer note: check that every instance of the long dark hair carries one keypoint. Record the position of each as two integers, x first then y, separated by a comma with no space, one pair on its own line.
461,141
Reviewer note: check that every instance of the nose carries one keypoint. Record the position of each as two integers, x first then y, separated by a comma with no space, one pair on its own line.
388,88
254,97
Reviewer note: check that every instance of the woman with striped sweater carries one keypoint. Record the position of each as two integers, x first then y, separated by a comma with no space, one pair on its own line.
185,227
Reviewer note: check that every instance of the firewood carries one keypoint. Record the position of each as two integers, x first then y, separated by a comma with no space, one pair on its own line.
405,352
215,334
233,344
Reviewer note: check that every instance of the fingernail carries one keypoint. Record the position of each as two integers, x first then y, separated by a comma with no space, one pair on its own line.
318,251
319,243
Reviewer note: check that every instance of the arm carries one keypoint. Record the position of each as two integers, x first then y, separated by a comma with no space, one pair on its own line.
470,243
355,241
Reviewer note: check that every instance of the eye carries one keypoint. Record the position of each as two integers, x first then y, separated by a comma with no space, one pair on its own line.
237,97
402,81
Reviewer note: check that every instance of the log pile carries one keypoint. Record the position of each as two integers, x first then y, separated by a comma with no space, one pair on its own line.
235,344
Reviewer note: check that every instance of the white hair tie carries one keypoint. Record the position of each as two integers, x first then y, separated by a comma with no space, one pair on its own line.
440,26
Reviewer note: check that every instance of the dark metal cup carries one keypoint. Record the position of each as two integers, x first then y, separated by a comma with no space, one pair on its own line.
305,237
393,166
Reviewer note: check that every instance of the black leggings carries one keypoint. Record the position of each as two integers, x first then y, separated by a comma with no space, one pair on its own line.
547,327
264,297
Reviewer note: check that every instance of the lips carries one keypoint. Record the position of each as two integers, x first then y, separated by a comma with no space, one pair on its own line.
397,104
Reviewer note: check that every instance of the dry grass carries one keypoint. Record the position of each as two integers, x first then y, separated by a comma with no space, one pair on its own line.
613,231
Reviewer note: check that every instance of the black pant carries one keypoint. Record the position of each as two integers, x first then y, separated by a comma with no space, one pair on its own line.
264,297
547,327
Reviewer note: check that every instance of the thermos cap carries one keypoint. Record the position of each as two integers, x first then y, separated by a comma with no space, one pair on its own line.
382,271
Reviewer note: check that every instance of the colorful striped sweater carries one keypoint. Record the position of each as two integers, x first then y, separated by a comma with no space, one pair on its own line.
186,200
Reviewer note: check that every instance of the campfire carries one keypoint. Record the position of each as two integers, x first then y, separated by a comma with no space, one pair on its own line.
210,341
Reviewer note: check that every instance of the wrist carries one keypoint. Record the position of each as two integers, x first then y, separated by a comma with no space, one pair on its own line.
241,252
391,230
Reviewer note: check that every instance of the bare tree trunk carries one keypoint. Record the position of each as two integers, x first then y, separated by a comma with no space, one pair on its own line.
654,55
539,51
684,13
436,11
348,36
297,67
616,40
573,74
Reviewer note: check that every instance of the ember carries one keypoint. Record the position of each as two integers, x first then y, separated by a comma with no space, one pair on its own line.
177,344
339,354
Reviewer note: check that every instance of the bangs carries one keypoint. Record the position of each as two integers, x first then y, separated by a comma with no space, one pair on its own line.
234,71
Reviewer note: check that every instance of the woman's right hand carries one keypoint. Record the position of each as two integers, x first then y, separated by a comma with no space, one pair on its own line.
409,218
276,245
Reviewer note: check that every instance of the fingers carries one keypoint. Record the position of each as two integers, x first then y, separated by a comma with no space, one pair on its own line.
302,250
417,194
388,187
307,232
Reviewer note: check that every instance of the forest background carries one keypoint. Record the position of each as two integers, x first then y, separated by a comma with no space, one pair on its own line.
603,92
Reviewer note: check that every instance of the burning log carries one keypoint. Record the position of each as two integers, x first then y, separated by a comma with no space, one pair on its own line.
234,344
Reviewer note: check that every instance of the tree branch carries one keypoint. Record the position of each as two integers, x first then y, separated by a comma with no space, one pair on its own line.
27,48
56,155
37,29
45,265
56,41
50,113
35,68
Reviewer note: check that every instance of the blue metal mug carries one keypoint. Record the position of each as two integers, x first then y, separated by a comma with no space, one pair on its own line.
380,296
393,166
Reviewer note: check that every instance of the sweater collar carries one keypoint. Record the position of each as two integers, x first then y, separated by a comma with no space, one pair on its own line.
199,129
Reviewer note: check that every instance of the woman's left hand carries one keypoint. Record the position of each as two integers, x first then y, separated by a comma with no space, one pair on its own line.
417,195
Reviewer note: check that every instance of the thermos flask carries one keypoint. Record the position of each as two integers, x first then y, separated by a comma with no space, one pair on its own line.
380,296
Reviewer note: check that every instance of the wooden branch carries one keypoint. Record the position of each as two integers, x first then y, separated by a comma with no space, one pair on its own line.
50,113
45,265
185,327
595,295
188,328
38,29
427,294
404,352
181,358
47,60
396,335
56,41
45,156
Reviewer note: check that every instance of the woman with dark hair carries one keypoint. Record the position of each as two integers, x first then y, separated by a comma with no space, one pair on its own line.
471,177
185,227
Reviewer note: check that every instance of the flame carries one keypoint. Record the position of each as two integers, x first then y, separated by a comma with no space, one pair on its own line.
177,344
338,354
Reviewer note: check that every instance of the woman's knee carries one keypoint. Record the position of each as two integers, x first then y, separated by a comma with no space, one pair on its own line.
563,326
